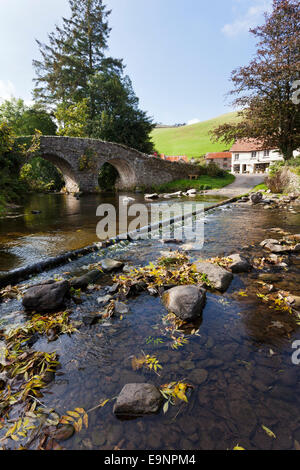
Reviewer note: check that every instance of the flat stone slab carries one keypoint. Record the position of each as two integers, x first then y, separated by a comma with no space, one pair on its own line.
83,281
137,400
219,277
108,265
186,302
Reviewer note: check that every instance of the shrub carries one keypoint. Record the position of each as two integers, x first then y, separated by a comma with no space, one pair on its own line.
214,170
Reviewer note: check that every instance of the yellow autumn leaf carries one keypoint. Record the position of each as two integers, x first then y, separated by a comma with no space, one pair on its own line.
79,424
103,403
269,432
86,420
80,410
74,414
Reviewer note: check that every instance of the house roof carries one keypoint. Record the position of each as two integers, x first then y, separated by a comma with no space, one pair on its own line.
212,156
248,145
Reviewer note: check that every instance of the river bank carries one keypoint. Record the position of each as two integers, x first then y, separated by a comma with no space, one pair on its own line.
238,359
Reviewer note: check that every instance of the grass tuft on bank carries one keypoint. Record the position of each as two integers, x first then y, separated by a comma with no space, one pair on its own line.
203,183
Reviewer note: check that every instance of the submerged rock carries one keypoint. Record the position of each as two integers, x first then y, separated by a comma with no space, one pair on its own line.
120,308
198,376
104,300
83,281
239,264
186,302
108,265
137,400
270,277
219,277
63,433
47,297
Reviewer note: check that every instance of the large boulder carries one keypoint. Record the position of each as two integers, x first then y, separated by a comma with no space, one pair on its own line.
219,277
137,400
83,281
186,302
256,198
47,297
239,264
108,265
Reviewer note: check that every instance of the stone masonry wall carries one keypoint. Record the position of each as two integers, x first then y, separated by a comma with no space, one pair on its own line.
135,168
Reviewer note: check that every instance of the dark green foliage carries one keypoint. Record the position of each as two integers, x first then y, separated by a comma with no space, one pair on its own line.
107,177
21,169
214,170
118,117
25,120
41,175
10,161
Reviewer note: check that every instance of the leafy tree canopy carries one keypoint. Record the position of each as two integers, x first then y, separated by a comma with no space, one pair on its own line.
265,89
25,120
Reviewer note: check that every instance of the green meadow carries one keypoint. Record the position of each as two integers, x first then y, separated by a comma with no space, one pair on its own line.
193,140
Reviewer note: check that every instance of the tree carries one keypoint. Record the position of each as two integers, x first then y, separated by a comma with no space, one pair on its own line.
92,96
36,118
7,138
73,118
265,88
25,120
76,51
118,117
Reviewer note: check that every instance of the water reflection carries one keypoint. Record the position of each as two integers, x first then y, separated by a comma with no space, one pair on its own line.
64,223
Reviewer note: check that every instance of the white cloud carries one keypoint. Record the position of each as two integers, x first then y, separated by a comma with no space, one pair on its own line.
193,121
248,20
7,90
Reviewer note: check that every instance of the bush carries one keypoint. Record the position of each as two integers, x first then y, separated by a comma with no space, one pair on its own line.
214,170
282,175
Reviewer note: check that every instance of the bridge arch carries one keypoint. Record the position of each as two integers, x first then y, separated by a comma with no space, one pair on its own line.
127,176
70,178
134,167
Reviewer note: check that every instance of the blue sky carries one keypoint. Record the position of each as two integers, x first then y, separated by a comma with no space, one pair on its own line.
179,53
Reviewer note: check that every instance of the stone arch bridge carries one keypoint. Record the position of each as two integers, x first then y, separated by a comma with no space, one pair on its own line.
80,161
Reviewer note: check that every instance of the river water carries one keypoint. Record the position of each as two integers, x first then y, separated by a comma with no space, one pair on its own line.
63,224
240,364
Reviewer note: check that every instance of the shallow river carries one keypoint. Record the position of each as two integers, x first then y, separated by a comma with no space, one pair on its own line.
63,224
240,364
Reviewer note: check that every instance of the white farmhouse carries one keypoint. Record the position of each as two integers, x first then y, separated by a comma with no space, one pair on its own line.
249,157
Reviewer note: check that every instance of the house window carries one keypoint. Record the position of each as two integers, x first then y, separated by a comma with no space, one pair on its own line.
266,153
237,156
253,154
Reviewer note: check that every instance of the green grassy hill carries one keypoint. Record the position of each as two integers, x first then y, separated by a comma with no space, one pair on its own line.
192,140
